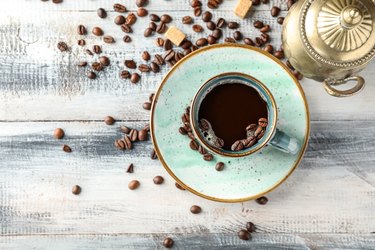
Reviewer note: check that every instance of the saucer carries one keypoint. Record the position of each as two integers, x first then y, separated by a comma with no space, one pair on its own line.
243,178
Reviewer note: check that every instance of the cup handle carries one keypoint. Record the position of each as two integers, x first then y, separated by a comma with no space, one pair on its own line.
284,142
329,83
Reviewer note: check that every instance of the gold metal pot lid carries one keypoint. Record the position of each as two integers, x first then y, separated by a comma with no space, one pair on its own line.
340,33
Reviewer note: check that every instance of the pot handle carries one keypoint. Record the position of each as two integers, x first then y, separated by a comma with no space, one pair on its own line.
329,83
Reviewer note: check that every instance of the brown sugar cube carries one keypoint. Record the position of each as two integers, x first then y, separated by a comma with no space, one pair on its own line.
242,8
175,35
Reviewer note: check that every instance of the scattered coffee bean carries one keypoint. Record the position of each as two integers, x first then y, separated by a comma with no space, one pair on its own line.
134,184
237,146
159,60
159,42
148,32
233,25
197,11
101,13
141,3
211,39
195,3
208,157
248,41
206,16
221,22
96,49
290,3
151,97
217,33
179,186
152,26
187,20
289,65
258,24
263,122
219,166
275,11
130,64
97,66
142,135
130,169
133,135
62,46
126,28
178,56
154,67
142,12
57,1
67,149
104,60
91,75
120,144
211,25
154,156
213,4
280,20
146,105
202,150
81,42
256,2
195,209
298,75
130,19
265,29
127,39
161,28
97,31
125,129
58,133
269,48
109,120
144,68
229,40
250,227
197,28
76,189
168,243
82,64
146,127
154,18
119,8
125,74
146,56
201,42
244,234
193,144
237,35
158,180
265,1
262,200
81,30
169,55
166,18
119,20
127,143
167,44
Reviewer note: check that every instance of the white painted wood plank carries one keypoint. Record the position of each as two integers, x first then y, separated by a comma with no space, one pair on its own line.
190,242
35,75
333,191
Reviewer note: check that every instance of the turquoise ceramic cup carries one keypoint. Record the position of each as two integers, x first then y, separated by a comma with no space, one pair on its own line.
272,136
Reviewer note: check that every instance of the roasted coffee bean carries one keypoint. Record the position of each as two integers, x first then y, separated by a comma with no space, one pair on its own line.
265,29
258,42
179,186
237,35
119,8
211,39
262,200
108,39
126,28
134,184
152,26
168,243
197,11
109,120
81,42
275,11
97,31
195,209
212,4
219,166
208,157
290,3
269,48
146,56
211,25
82,64
263,122
265,37
120,144
244,235
57,1
193,144
151,97
229,40
197,28
191,135
187,51
258,24
146,127
133,135
185,44
187,20
154,156
233,25
141,3
135,77
76,189
264,1
97,66
130,64
67,149
166,18
187,126
127,39
89,52
221,22
125,74
91,75
159,42
258,130
154,67
217,33
169,55
158,180
298,75
58,133
248,41
167,44
261,134
130,169
256,2
195,3
161,28
185,118
249,142
62,46
144,68
142,12
127,143
101,13
131,18
81,30
120,20
206,16
96,49
237,146
146,105
201,42
280,20
104,60
142,135
148,32
125,129
250,227
289,65
159,60
154,18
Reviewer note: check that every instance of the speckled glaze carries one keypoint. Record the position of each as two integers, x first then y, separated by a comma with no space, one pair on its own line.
246,177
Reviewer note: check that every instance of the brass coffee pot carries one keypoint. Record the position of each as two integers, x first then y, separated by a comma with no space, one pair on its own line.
330,41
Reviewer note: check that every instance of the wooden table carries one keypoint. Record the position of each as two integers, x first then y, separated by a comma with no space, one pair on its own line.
328,202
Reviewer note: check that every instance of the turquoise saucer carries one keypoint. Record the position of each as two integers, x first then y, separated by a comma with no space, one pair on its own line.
243,178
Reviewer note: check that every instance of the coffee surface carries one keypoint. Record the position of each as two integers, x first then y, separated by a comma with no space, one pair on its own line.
230,108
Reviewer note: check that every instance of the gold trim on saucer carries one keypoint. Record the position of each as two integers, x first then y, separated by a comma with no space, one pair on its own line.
183,60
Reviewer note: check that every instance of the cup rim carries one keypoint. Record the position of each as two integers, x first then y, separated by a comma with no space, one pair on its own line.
243,153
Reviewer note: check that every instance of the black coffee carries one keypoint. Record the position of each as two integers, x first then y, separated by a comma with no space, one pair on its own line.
230,108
